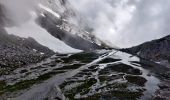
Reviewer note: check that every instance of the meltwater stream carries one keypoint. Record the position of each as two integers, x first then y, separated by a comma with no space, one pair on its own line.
97,75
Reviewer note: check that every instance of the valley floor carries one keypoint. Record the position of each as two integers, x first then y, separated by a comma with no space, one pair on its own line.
103,74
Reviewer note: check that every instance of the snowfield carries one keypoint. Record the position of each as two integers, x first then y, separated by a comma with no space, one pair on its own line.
32,29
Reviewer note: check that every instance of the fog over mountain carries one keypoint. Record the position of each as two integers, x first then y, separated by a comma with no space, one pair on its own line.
126,23
123,23
22,15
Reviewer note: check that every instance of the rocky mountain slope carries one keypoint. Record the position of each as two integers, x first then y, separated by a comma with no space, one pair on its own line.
156,50
17,52
58,23
47,30
50,23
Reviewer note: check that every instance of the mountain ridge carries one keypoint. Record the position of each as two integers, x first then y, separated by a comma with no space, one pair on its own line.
156,50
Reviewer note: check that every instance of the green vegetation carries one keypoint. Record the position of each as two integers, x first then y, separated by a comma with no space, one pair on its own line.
67,67
109,60
26,83
138,80
82,89
82,57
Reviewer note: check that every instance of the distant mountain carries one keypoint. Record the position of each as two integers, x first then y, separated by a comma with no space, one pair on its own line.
157,50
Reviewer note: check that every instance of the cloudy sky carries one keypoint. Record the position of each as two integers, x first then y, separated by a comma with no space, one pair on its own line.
123,23
126,23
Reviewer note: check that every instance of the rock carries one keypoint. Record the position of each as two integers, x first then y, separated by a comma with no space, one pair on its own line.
17,52
159,98
156,50
163,92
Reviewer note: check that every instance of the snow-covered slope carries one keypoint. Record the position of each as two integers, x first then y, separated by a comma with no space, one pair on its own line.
50,23
31,29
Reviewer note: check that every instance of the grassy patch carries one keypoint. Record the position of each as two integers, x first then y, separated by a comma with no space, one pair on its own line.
109,60
82,89
138,80
26,83
67,67
82,57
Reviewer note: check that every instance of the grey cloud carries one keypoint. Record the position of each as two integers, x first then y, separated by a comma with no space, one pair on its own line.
18,10
126,23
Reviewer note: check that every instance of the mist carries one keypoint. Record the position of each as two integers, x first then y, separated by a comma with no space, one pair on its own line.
121,23
125,23
18,11
22,15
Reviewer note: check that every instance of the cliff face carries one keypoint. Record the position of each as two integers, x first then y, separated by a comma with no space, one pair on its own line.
156,50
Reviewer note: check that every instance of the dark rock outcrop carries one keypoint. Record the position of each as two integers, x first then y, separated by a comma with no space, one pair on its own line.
77,42
156,50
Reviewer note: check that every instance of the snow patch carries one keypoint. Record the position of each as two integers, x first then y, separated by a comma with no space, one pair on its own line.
32,29
41,53
42,15
35,50
49,10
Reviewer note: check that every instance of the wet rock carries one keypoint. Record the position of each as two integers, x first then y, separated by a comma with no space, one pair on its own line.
165,75
163,92
159,98
163,86
120,68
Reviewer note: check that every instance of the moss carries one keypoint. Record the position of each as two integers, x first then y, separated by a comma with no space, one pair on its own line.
20,85
165,75
85,91
74,66
114,95
26,83
88,73
82,89
126,95
52,64
102,78
138,80
117,86
83,57
93,67
24,71
109,60
2,86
